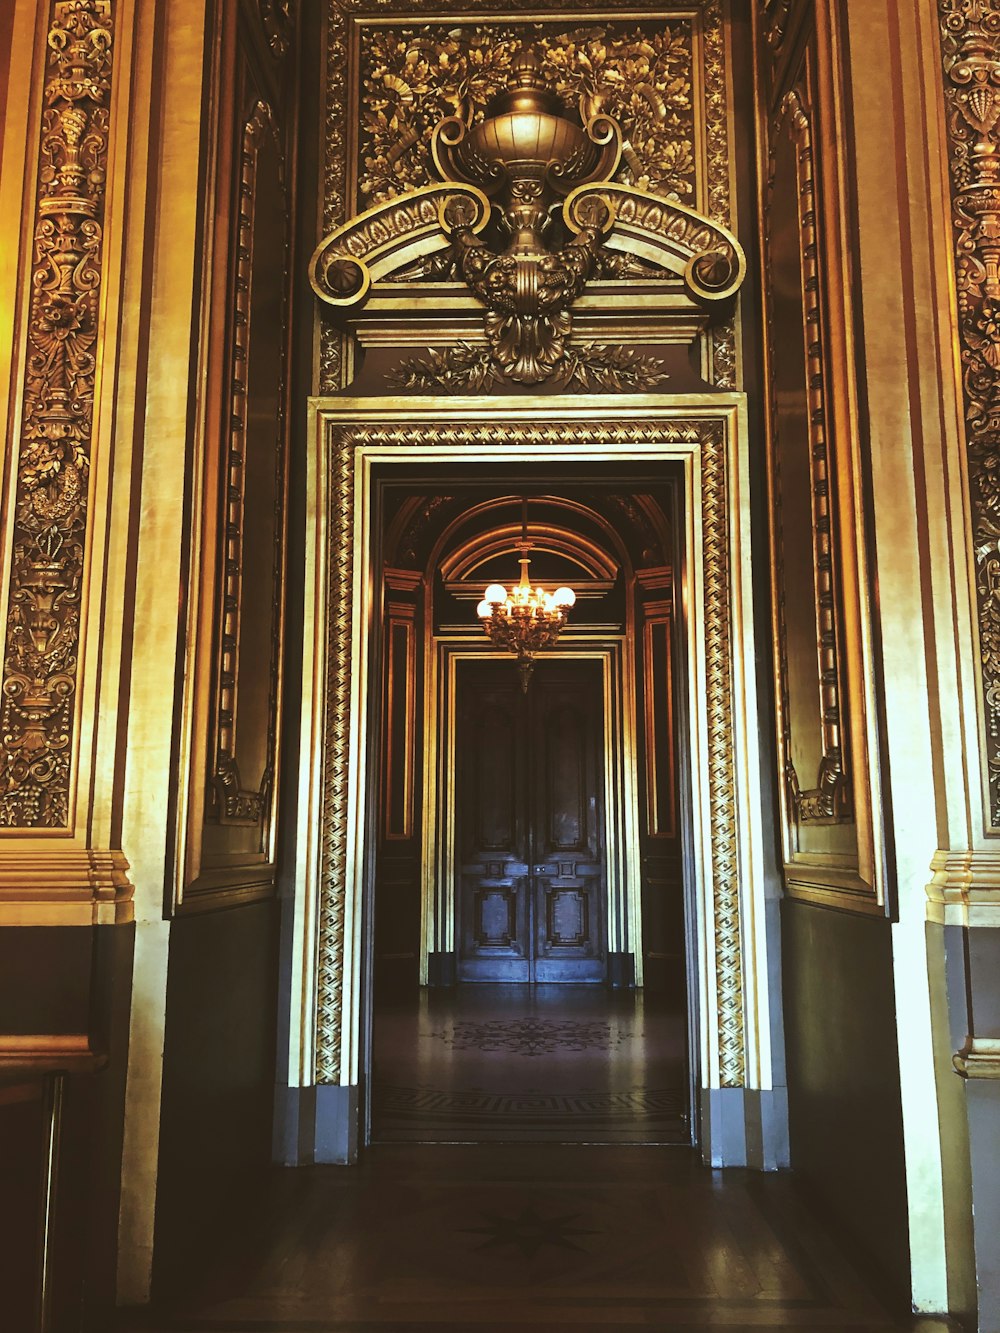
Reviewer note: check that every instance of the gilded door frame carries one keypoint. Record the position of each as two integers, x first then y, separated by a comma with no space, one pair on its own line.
706,434
621,826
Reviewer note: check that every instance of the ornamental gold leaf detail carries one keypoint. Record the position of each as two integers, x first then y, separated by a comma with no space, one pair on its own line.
970,43
57,410
393,82
641,76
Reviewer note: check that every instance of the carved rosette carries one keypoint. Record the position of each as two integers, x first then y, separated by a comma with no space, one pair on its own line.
57,406
970,44
343,440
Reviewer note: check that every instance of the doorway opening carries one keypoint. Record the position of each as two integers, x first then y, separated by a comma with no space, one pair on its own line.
527,937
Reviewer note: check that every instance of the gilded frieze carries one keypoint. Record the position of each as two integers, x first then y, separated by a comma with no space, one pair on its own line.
970,43
56,423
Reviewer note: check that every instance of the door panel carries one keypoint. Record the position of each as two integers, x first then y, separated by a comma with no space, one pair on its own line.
530,836
492,871
566,805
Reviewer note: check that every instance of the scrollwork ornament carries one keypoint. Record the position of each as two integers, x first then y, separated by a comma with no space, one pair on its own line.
642,76
50,513
970,44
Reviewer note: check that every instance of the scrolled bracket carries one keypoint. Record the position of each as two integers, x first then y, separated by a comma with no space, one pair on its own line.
388,237
705,254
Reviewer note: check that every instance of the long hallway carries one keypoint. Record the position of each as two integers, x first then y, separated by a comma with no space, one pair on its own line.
505,1237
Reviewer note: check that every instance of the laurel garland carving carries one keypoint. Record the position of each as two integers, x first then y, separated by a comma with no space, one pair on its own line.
646,73
590,367
721,772
970,43
50,516
342,441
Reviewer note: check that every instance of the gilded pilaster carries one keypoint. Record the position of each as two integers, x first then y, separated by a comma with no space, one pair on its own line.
50,544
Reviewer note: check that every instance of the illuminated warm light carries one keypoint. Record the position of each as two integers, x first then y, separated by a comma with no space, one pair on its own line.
525,619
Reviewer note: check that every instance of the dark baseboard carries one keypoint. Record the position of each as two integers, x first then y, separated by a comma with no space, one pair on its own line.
621,971
441,969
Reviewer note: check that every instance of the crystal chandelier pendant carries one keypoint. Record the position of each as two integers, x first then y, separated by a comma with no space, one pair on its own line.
524,620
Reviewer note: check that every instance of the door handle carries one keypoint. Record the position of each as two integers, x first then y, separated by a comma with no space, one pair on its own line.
544,870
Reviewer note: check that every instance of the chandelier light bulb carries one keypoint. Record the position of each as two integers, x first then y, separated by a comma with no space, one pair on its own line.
524,620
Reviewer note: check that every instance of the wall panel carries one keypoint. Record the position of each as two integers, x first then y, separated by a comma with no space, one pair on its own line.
827,735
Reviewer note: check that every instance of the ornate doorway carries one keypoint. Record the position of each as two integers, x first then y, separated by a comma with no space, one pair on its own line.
357,443
530,840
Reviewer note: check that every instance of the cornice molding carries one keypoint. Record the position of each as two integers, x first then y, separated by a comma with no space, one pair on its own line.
965,889
59,886
978,1058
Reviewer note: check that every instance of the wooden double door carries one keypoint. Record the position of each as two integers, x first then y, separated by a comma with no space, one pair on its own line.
531,865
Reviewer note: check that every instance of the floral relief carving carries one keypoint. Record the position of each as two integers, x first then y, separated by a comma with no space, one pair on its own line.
50,516
642,78
970,40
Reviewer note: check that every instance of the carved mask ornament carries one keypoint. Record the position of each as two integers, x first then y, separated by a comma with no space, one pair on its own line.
526,172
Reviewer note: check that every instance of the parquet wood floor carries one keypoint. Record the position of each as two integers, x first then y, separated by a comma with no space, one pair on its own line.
523,1237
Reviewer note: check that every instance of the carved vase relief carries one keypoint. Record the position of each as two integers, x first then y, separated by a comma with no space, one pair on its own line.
57,416
524,161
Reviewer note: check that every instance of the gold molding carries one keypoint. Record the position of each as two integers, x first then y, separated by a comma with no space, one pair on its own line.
228,801
69,886
970,51
50,519
829,801
48,1052
833,835
978,1058
704,434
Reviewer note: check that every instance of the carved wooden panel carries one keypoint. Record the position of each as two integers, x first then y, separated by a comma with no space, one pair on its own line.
826,723
235,628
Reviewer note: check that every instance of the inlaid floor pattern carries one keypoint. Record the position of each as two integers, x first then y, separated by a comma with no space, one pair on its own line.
542,1064
497,1237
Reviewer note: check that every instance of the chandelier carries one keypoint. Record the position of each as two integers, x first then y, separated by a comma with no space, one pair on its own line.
525,619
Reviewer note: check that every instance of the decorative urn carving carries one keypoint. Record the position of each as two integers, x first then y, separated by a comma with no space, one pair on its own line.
527,207
523,155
